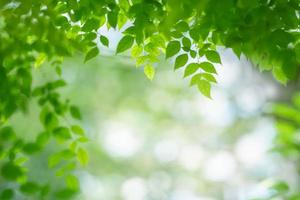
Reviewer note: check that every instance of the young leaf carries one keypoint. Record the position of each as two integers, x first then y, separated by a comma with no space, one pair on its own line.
40,60
209,77
172,48
77,130
195,79
208,67
213,56
149,71
136,51
125,43
91,54
190,69
62,133
204,87
72,182
104,40
181,61
82,156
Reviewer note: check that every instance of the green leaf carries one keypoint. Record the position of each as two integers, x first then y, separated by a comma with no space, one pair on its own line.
195,79
213,56
7,133
77,130
125,43
186,42
112,18
204,87
82,156
281,187
181,61
65,194
7,194
279,74
182,26
190,69
31,148
40,60
43,138
56,84
195,33
209,77
91,54
91,24
75,113
104,40
83,139
193,53
56,158
176,34
45,190
149,71
173,48
11,171
49,119
136,51
62,133
208,67
72,182
29,188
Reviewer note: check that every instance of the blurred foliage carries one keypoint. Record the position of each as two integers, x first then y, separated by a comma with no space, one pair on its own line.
35,32
287,143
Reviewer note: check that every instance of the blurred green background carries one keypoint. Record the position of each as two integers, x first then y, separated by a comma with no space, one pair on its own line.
162,140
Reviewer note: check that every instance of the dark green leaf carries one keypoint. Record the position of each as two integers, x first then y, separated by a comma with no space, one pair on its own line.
7,133
7,194
125,43
29,188
193,53
91,24
75,113
181,61
186,42
104,40
62,133
43,138
31,148
91,54
112,18
11,171
172,48
182,26
65,194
